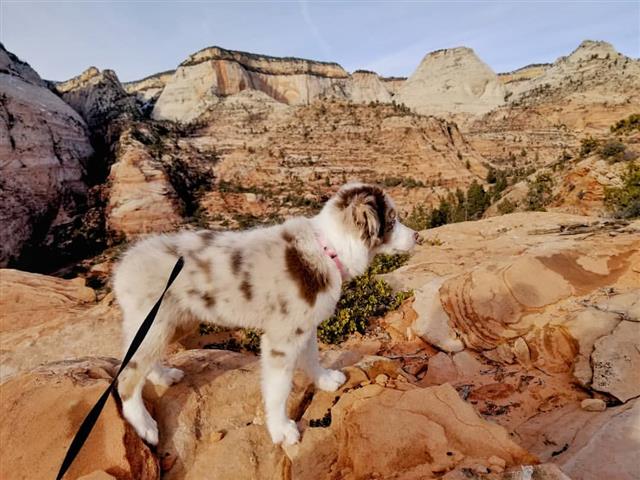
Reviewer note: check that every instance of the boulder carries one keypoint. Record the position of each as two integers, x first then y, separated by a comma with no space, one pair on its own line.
44,408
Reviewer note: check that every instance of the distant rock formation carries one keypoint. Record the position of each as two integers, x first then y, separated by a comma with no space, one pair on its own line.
214,72
452,81
393,84
366,87
527,72
106,107
44,147
98,96
149,88
594,68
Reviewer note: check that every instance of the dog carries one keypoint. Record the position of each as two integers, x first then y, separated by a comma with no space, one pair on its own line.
283,279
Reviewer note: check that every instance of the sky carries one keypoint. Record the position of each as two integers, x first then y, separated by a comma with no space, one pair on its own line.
138,38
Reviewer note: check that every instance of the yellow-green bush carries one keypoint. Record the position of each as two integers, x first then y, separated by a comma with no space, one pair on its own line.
362,298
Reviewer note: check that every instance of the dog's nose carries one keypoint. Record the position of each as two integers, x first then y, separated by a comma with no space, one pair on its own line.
418,238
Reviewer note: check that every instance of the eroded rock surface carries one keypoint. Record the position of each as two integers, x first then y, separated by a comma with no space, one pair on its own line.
547,302
44,147
44,408
46,319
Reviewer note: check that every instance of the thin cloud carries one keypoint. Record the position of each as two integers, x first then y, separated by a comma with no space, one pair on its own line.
322,42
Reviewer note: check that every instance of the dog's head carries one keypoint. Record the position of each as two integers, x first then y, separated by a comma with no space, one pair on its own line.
370,214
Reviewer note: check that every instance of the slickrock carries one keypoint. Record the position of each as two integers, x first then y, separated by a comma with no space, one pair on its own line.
44,408
452,81
44,147
616,362
46,319
587,445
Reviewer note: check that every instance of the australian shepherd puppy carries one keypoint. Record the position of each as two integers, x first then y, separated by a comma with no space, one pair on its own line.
283,280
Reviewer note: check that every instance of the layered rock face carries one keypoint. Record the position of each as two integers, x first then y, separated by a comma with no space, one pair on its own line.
44,148
275,160
141,197
452,81
214,72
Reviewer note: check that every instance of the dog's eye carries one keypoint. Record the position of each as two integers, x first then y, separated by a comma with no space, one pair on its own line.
391,224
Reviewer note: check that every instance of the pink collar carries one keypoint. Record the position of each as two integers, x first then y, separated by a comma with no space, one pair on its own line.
332,254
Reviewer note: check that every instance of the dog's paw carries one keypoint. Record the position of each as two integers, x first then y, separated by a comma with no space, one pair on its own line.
142,422
330,380
286,433
165,376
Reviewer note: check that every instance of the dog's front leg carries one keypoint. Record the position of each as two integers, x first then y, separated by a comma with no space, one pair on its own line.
324,378
278,361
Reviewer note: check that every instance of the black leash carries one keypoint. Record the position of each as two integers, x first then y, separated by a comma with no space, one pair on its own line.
90,420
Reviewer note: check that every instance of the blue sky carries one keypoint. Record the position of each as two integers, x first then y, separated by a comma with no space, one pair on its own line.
138,38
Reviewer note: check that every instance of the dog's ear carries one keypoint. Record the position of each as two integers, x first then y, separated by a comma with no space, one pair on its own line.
365,216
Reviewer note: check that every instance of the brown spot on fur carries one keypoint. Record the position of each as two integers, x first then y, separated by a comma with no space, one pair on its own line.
236,262
208,236
208,300
310,281
284,307
171,250
204,265
276,353
132,364
287,237
192,292
299,331
246,288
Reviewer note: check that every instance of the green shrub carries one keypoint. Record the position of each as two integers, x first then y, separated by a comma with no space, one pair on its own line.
613,150
248,341
624,201
507,206
362,298
539,194
418,219
406,182
627,125
588,145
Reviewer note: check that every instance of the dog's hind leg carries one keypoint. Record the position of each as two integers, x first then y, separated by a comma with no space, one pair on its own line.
324,378
278,360
133,377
